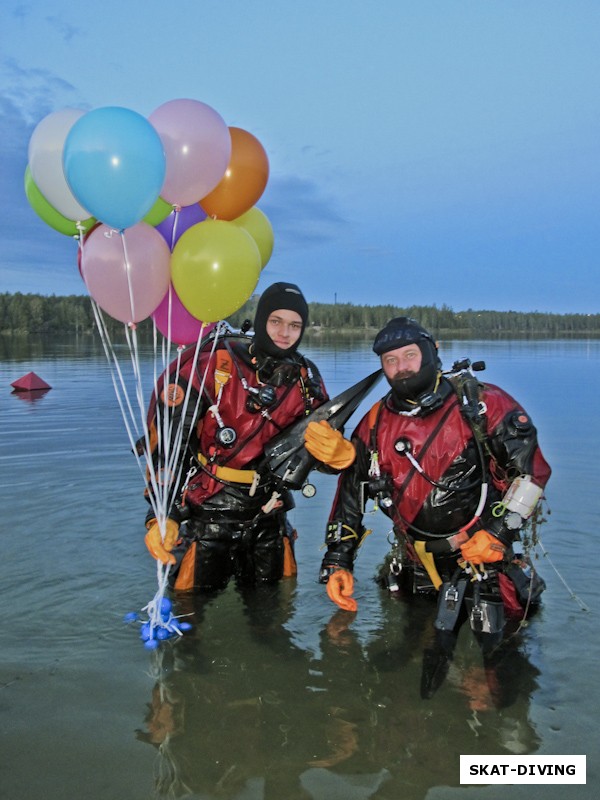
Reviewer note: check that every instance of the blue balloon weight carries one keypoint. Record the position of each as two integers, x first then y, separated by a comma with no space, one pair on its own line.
165,606
114,163
145,632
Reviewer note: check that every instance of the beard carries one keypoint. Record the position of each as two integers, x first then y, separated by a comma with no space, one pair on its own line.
409,386
402,375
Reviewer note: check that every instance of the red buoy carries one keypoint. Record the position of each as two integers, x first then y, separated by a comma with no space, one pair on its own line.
29,383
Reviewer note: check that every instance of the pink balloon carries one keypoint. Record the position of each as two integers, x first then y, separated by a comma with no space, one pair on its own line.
181,327
179,221
127,272
197,146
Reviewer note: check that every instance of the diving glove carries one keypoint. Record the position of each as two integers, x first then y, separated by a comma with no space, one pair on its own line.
340,587
483,548
159,549
328,445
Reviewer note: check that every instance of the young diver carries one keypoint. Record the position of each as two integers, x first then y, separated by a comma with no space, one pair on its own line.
255,388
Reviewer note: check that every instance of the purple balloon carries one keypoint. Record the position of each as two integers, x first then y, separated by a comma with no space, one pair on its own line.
178,222
183,328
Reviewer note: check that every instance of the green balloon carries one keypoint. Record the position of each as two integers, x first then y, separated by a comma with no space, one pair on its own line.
49,214
159,211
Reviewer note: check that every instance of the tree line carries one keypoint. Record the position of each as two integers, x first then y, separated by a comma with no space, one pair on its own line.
40,314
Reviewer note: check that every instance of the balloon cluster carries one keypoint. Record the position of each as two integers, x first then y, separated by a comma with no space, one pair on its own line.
163,207
159,627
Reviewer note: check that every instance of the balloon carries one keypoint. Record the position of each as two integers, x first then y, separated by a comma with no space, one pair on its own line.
49,214
115,165
258,226
215,267
178,325
126,273
179,221
197,147
159,211
244,180
45,161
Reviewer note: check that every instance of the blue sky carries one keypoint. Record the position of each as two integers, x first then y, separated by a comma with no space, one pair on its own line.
422,152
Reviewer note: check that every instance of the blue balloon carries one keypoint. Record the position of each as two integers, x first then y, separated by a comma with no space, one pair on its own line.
131,616
151,644
185,626
165,606
114,163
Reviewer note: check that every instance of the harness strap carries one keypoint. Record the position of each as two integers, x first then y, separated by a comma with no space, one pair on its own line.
428,562
222,370
229,474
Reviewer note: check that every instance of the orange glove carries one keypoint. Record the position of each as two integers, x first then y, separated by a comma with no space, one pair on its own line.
328,445
159,549
483,548
340,587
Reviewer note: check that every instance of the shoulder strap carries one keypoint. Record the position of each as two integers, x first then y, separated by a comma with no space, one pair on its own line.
373,420
223,368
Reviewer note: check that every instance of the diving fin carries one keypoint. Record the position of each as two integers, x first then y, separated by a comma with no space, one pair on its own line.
434,669
285,456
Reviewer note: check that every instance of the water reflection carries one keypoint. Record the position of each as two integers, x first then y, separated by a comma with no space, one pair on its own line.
238,710
32,396
332,704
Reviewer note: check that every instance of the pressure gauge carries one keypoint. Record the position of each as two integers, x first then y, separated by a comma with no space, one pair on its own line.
309,490
226,436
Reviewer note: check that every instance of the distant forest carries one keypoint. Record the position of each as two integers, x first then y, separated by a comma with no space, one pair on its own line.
39,314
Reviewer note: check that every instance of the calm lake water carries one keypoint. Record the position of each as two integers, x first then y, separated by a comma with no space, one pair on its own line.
274,696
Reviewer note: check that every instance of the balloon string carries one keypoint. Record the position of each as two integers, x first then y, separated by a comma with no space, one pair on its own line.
176,210
123,400
128,274
180,446
572,594
170,443
144,460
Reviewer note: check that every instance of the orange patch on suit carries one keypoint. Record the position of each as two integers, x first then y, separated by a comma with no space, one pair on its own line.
175,395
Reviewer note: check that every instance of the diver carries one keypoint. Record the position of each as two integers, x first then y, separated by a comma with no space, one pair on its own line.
243,392
455,464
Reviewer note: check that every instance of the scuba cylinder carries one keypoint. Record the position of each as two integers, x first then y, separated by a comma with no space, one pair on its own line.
522,496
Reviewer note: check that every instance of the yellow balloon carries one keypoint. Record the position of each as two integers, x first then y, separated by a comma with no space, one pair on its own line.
215,267
256,223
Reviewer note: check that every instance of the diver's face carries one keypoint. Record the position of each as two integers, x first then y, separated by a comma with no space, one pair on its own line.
402,362
284,327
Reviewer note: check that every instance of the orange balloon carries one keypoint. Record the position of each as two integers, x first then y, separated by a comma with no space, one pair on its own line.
244,181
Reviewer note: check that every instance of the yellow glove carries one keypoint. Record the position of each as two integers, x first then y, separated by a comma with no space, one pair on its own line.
483,548
159,549
328,445
340,587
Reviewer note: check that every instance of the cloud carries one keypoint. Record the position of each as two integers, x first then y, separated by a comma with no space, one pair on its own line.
36,92
34,258
301,213
65,30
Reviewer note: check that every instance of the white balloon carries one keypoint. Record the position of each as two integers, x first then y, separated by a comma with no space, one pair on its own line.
46,162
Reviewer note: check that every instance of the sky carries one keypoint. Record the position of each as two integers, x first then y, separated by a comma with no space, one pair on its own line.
421,152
